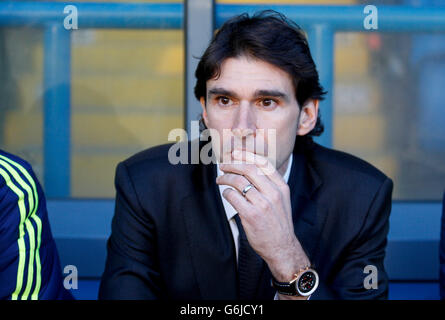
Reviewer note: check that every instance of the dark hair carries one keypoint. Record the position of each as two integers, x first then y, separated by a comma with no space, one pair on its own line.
268,36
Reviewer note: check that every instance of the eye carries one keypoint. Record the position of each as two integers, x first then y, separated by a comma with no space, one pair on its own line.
224,101
268,103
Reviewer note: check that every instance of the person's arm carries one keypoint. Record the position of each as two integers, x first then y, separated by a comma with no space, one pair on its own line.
367,249
131,270
28,255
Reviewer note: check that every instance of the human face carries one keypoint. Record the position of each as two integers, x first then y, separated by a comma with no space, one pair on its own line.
250,95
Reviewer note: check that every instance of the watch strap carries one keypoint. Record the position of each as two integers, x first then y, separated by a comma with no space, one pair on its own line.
286,288
290,288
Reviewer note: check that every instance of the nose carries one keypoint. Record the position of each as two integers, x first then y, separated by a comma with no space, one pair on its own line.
244,124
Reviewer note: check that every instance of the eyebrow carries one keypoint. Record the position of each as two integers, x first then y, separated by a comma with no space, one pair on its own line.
222,91
258,93
271,93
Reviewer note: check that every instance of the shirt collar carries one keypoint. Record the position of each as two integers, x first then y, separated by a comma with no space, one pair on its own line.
230,210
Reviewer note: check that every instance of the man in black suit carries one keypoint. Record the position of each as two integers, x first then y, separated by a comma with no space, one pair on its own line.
276,208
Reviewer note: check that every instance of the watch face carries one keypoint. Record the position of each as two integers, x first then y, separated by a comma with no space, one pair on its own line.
307,282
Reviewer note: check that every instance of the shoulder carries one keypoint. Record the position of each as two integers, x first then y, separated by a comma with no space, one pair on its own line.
335,162
153,178
8,159
16,177
161,159
154,155
356,194
10,166
158,166
344,174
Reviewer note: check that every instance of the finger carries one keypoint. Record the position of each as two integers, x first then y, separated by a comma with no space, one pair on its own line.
275,176
264,185
250,172
240,183
263,164
241,205
237,181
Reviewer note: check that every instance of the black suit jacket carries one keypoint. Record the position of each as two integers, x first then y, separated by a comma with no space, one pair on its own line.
171,239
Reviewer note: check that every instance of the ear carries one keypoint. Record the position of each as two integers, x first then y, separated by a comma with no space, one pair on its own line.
204,111
308,117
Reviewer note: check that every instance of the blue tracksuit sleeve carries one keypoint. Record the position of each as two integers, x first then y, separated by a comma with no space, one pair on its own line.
29,262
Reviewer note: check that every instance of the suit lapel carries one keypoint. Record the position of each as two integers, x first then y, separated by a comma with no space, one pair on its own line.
210,239
307,217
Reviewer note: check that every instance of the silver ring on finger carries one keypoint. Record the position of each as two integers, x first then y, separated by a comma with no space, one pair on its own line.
246,189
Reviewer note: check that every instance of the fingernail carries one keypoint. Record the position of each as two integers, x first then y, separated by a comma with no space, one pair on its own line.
226,191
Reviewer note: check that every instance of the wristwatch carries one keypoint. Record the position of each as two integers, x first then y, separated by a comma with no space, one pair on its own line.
304,283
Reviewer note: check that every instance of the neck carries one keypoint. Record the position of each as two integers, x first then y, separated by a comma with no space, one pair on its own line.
282,169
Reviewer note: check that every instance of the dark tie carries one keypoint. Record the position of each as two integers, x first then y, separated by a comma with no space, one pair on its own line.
249,266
